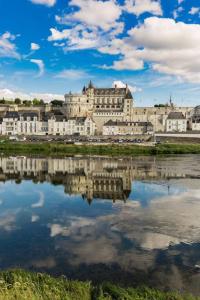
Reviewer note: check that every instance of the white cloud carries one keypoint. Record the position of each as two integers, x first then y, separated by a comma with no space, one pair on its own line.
72,74
180,1
40,202
102,14
44,2
139,7
40,65
121,84
12,94
161,43
35,46
7,47
177,12
91,24
57,35
79,37
194,10
34,218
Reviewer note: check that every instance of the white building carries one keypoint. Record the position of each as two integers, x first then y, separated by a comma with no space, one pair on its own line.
102,104
30,123
127,128
194,119
176,122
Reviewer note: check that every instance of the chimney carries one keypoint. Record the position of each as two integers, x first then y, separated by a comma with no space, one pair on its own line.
115,86
126,88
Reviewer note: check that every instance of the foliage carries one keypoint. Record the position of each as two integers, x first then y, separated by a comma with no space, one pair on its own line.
60,148
23,285
57,102
17,101
161,105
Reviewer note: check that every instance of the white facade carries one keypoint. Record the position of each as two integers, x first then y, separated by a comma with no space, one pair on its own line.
127,128
176,122
81,126
14,123
195,125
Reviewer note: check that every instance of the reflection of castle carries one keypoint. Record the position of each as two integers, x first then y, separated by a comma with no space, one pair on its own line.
100,178
90,177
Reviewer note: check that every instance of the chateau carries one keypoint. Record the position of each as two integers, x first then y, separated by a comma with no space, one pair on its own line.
102,104
97,111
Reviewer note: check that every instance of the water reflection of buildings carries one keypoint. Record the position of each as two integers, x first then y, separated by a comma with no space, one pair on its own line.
99,178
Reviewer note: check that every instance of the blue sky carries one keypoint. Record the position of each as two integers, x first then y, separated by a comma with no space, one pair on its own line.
49,47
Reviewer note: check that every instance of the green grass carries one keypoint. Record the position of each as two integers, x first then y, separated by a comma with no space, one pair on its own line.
23,285
61,149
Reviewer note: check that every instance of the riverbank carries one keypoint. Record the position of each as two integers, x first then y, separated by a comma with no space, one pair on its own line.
21,285
61,149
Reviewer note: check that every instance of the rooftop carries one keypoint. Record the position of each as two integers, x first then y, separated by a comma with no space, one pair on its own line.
127,123
175,115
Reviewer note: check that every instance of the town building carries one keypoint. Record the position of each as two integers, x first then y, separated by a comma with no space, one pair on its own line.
194,119
102,104
176,122
51,123
127,128
88,113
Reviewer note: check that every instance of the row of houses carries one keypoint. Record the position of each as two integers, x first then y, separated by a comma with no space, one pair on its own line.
57,123
176,121
33,123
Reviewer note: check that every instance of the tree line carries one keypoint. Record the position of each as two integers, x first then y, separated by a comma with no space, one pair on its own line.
34,102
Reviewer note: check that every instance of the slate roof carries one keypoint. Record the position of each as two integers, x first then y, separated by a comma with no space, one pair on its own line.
30,114
123,92
127,123
196,111
175,115
12,115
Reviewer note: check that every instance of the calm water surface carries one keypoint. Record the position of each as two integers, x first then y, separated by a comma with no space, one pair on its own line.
130,221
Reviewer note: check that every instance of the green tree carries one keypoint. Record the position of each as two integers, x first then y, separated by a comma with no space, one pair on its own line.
57,102
2,101
17,101
36,102
41,102
27,102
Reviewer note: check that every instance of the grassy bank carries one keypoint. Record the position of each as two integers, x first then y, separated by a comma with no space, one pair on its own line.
21,285
60,149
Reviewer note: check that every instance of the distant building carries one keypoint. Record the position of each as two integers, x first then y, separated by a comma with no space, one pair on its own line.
127,128
50,123
102,104
176,122
194,119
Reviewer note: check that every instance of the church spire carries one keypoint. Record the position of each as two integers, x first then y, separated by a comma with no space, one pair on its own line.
90,85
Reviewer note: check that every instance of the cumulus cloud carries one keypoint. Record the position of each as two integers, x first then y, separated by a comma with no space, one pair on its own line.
72,74
102,14
12,94
40,65
91,24
121,84
57,35
160,42
44,2
7,46
35,46
194,10
139,7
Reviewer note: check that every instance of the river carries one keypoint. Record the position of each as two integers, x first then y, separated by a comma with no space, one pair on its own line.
132,221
